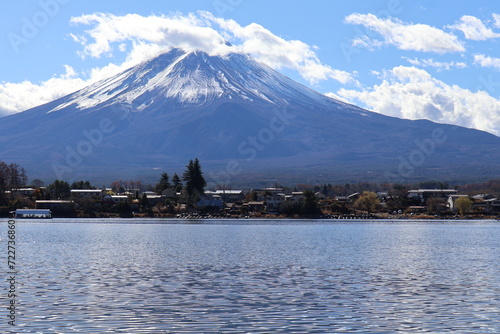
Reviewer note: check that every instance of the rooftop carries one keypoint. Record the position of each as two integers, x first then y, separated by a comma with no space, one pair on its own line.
86,190
433,191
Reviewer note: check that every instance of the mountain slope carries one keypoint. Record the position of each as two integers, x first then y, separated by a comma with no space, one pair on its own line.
242,119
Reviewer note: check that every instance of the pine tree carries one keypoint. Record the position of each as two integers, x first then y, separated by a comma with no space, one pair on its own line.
198,180
163,184
310,205
176,180
195,182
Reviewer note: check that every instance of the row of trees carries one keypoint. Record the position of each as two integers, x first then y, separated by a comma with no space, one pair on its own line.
397,190
165,184
194,182
368,201
12,176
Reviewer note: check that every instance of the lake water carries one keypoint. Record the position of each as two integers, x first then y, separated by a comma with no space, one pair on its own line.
245,276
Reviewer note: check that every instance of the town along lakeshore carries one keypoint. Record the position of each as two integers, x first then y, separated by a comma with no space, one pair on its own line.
269,203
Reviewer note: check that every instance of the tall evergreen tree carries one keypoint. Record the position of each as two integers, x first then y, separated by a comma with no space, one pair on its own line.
198,179
177,183
195,182
163,184
310,205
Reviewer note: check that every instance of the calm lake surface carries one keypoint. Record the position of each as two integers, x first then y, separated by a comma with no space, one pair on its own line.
248,276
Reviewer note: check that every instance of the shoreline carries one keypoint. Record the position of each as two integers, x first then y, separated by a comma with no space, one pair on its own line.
384,217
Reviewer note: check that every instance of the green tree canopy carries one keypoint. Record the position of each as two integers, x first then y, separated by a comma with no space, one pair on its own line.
463,205
368,201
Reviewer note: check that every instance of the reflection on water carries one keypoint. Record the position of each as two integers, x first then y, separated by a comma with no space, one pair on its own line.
257,277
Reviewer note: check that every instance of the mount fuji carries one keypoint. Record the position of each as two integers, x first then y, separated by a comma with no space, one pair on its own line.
243,120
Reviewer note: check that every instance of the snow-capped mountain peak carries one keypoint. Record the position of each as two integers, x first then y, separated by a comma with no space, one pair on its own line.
190,79
238,117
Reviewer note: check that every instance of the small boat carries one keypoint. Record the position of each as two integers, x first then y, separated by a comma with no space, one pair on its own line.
31,214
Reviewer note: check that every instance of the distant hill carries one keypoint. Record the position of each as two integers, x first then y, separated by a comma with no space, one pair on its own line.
243,120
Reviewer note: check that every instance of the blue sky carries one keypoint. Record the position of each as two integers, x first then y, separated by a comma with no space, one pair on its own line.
438,60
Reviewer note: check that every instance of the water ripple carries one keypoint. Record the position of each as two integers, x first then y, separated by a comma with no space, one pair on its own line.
338,278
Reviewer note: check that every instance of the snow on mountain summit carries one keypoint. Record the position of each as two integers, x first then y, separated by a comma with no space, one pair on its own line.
190,79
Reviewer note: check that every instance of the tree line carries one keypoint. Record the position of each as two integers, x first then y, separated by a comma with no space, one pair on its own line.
14,176
191,185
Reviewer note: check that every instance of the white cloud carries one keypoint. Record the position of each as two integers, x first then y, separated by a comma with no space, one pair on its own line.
440,66
412,93
201,31
486,61
415,37
496,18
277,52
176,31
474,29
16,97
143,37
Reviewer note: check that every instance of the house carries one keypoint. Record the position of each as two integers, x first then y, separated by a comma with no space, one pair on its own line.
273,201
424,194
343,199
295,197
271,197
482,197
113,199
233,208
353,197
153,198
231,196
169,194
319,195
56,206
210,200
26,192
87,193
452,199
255,206
267,192
492,205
